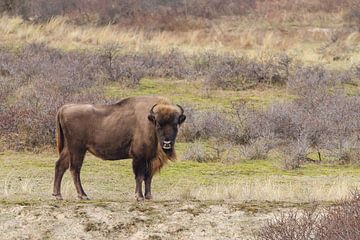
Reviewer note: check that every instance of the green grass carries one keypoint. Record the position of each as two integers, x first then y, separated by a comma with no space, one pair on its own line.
192,93
28,177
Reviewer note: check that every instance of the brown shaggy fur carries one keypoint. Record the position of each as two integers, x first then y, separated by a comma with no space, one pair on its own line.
59,134
160,160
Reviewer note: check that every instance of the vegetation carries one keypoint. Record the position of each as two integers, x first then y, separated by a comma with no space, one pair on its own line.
271,91
28,177
336,222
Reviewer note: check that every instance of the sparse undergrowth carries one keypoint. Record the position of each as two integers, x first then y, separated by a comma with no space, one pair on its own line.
336,222
36,80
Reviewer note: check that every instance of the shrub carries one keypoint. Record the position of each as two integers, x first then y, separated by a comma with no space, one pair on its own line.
38,81
166,15
206,124
353,14
196,152
257,148
336,222
231,72
213,150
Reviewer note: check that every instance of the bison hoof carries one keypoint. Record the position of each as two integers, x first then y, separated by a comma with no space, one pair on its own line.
57,196
148,196
83,197
139,197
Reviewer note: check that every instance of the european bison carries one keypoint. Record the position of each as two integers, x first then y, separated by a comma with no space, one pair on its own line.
141,128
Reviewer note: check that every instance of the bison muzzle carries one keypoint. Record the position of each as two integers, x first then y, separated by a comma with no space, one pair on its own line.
141,128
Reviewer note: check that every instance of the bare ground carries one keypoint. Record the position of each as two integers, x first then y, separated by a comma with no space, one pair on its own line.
134,220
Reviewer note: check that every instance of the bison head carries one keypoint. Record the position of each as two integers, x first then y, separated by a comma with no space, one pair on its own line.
166,119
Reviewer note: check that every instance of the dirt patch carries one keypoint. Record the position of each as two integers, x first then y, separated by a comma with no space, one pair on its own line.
131,220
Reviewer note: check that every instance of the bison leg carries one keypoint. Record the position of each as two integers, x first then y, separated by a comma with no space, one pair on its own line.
139,169
148,187
138,189
75,167
60,167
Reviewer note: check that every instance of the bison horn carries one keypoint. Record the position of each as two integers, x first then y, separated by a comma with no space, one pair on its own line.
152,110
181,109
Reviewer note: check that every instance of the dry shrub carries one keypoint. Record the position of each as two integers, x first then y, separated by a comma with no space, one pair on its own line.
206,124
352,16
130,68
295,225
257,148
296,154
150,14
349,156
330,223
231,72
196,152
38,82
213,151
164,14
322,117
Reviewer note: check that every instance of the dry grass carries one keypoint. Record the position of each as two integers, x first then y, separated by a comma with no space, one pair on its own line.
237,35
280,189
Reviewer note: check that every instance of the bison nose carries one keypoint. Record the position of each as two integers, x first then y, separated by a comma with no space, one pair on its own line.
167,145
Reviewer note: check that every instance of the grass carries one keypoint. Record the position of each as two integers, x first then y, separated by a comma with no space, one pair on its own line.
192,93
236,35
27,177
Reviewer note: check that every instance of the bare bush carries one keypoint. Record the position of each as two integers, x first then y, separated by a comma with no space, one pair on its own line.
129,69
196,152
166,15
211,151
38,82
322,117
353,14
230,72
336,222
205,124
349,155
296,154
257,148
297,225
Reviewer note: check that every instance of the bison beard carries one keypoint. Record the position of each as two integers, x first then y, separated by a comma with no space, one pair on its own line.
141,128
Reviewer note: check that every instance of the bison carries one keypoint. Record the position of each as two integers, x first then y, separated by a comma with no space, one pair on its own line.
141,128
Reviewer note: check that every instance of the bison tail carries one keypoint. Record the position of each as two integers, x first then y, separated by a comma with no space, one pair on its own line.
59,134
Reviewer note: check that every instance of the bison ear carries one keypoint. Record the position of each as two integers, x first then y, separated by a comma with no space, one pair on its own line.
151,118
182,118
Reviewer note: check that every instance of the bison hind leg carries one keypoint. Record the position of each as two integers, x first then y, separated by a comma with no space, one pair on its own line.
62,164
76,161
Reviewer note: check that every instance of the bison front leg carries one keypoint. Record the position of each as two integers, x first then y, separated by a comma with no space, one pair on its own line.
139,168
148,187
138,188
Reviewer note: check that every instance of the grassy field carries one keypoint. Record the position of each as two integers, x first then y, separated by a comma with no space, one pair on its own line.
191,200
28,177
